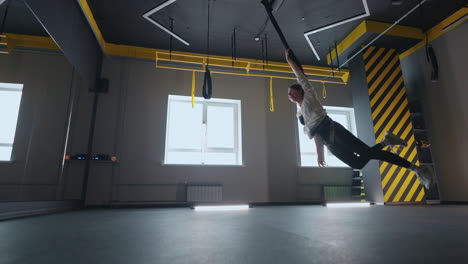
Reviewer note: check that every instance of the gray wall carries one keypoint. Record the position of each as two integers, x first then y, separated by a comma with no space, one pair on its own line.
444,107
48,82
131,124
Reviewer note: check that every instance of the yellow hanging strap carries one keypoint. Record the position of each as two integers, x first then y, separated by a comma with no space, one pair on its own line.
272,101
193,89
324,90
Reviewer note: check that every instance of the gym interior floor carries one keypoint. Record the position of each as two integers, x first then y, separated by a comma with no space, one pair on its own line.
269,234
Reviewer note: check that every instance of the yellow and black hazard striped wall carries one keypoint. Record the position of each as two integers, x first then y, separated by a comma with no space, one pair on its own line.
390,112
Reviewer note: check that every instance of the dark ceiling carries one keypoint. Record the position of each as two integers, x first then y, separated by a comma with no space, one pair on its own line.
20,19
121,22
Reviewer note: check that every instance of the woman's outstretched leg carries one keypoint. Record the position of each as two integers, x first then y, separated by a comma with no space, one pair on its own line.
389,157
352,151
424,174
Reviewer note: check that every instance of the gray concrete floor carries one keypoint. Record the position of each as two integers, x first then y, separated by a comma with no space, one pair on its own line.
280,234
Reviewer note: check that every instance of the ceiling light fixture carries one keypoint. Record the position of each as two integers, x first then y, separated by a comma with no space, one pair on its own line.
343,205
339,23
222,208
156,9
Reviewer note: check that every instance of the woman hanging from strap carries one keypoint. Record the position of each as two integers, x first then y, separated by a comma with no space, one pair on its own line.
342,143
326,132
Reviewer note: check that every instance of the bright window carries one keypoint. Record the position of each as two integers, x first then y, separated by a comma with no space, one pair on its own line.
342,115
209,133
10,98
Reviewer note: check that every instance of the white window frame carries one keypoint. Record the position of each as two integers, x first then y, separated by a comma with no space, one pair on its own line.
331,160
11,87
237,149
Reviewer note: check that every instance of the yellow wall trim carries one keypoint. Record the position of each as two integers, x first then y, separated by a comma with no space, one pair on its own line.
92,22
438,31
223,61
16,40
373,27
398,31
356,34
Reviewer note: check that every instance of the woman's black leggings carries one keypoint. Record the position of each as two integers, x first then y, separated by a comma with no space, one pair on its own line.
351,150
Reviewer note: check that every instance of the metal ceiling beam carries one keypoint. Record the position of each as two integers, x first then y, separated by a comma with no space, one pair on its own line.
243,67
381,34
68,27
367,26
440,29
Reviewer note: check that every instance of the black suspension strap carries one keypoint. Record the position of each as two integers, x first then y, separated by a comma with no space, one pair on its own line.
263,54
2,29
266,48
232,48
337,56
430,53
170,40
235,44
207,85
208,34
331,61
431,57
269,10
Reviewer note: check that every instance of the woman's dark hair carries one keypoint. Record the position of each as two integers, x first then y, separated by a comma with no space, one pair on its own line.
297,87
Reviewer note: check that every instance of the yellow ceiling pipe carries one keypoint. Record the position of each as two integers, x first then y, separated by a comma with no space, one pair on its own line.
270,68
242,74
5,44
16,40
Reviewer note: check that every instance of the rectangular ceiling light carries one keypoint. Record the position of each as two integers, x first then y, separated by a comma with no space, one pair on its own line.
343,205
222,208
156,9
